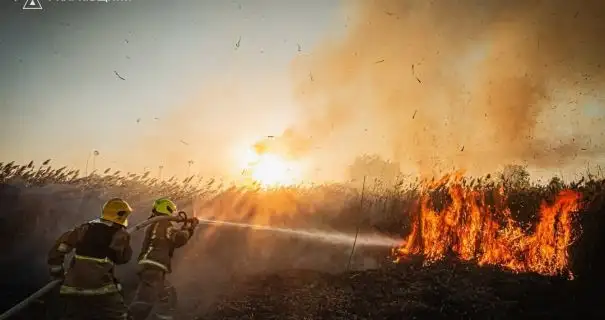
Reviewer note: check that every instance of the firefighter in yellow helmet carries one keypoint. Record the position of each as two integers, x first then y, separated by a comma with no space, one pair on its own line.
161,239
90,289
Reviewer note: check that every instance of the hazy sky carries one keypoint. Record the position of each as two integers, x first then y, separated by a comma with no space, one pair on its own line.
60,97
493,82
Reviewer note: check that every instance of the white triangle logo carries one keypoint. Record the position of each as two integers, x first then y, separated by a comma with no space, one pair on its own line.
32,4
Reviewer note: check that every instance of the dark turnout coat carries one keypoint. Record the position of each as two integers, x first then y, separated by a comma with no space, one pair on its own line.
161,239
99,246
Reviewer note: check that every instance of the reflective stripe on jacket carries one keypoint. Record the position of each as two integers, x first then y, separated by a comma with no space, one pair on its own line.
161,238
110,288
99,245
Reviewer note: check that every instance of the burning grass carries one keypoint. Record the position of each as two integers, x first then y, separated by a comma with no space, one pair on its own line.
537,234
477,225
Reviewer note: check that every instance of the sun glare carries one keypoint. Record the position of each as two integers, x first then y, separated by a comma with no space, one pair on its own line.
270,170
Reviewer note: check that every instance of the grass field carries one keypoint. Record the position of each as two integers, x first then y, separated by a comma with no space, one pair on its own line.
471,247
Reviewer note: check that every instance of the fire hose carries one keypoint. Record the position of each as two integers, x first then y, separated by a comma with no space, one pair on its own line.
181,217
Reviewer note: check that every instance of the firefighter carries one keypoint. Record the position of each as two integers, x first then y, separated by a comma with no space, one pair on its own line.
90,290
161,239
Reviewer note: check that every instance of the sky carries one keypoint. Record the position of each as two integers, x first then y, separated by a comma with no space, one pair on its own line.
61,99
431,85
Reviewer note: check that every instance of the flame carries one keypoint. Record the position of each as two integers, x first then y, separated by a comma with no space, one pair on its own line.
478,226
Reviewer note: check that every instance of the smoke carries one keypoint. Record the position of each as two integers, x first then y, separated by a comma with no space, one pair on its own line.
208,127
467,84
33,217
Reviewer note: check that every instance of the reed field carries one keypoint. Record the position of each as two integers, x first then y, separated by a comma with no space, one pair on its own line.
467,247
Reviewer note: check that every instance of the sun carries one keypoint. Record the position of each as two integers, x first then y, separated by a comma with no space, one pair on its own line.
270,170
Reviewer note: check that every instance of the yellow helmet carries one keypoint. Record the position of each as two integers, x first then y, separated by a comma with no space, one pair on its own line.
116,210
164,206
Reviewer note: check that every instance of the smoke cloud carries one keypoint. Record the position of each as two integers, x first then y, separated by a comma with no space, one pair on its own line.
467,84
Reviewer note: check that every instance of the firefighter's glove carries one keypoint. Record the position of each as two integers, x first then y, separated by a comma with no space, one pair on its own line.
57,272
192,224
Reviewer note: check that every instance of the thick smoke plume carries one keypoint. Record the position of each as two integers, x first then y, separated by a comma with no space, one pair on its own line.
468,84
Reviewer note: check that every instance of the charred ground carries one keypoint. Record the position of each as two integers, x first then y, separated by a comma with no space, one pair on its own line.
234,274
450,290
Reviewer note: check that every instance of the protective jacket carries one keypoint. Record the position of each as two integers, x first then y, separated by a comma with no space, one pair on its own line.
99,245
161,238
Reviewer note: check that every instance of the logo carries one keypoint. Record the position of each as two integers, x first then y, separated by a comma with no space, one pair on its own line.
32,4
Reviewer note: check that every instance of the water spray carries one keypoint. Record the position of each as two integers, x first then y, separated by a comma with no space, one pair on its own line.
368,240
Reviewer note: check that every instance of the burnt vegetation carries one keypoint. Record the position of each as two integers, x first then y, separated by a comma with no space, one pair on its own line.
241,274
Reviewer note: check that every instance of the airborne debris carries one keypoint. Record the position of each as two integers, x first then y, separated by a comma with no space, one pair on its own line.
462,149
299,48
183,142
414,115
379,61
239,40
119,76
414,74
138,120
311,76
